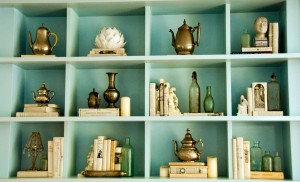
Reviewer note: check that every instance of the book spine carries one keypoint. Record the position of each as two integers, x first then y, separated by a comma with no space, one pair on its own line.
50,158
166,99
114,144
41,109
117,159
104,155
234,158
161,99
247,159
270,34
267,175
240,157
61,160
152,100
275,37
250,101
108,155
56,157
99,112
95,160
37,114
99,152
157,111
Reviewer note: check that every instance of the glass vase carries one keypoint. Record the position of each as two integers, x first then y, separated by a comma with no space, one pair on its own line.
256,157
245,38
127,158
194,95
273,90
267,162
208,103
277,162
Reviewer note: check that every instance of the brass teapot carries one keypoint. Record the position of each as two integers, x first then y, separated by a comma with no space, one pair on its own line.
188,151
93,99
43,95
41,45
184,42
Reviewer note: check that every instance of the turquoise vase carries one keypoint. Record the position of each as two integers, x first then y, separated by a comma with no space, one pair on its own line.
209,103
127,158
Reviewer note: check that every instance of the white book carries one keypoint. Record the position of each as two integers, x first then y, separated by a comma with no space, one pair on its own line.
247,168
270,34
104,155
152,99
114,144
234,158
37,114
58,143
39,105
99,152
99,112
117,159
50,158
240,157
95,159
161,99
42,109
108,154
249,96
275,37
166,99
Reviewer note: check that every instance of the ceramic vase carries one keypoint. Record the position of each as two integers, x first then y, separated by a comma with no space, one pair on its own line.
111,94
208,103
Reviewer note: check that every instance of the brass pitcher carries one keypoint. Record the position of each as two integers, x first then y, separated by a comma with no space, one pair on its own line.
188,151
93,99
41,45
184,43
43,95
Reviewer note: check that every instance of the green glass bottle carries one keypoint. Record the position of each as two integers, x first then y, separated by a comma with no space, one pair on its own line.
194,95
267,162
277,162
245,38
209,102
273,94
127,158
256,157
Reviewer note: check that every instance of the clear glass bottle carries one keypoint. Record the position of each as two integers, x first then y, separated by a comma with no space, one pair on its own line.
44,162
245,38
194,95
256,157
267,162
273,94
208,103
127,158
277,162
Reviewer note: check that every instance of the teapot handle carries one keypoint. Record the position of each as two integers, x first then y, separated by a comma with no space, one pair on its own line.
201,144
51,94
56,40
198,35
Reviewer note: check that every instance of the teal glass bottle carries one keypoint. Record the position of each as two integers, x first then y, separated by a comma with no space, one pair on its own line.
273,94
127,158
267,162
245,38
256,157
277,162
209,103
194,95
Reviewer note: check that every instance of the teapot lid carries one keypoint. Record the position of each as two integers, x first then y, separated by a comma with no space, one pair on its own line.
184,26
93,92
188,137
43,86
43,27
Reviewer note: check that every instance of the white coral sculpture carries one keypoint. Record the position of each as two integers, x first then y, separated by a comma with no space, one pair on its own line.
109,38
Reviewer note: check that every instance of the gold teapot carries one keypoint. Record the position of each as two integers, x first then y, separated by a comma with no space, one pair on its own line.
188,151
43,95
184,42
41,45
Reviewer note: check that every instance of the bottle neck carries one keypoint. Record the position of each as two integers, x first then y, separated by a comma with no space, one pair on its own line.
208,90
127,140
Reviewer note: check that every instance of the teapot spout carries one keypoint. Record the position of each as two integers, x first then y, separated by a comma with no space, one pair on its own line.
173,37
33,95
30,40
175,147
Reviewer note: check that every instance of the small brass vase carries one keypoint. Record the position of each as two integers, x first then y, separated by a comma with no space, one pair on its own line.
111,94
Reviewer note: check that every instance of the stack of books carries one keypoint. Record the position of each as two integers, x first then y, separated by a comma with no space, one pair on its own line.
99,112
107,52
38,110
188,170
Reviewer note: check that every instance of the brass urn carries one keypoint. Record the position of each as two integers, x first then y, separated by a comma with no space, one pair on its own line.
43,95
93,99
41,45
188,151
184,43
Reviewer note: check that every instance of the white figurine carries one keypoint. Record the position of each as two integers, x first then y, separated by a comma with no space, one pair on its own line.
242,107
173,103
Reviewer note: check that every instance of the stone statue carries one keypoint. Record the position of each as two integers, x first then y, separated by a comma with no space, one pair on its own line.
173,103
261,28
242,107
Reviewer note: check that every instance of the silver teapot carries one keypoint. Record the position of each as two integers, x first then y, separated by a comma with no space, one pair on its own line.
43,95
188,151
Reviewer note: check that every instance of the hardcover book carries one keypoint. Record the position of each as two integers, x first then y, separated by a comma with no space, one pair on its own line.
267,175
99,112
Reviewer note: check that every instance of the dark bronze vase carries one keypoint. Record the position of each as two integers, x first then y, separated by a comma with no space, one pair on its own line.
111,94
